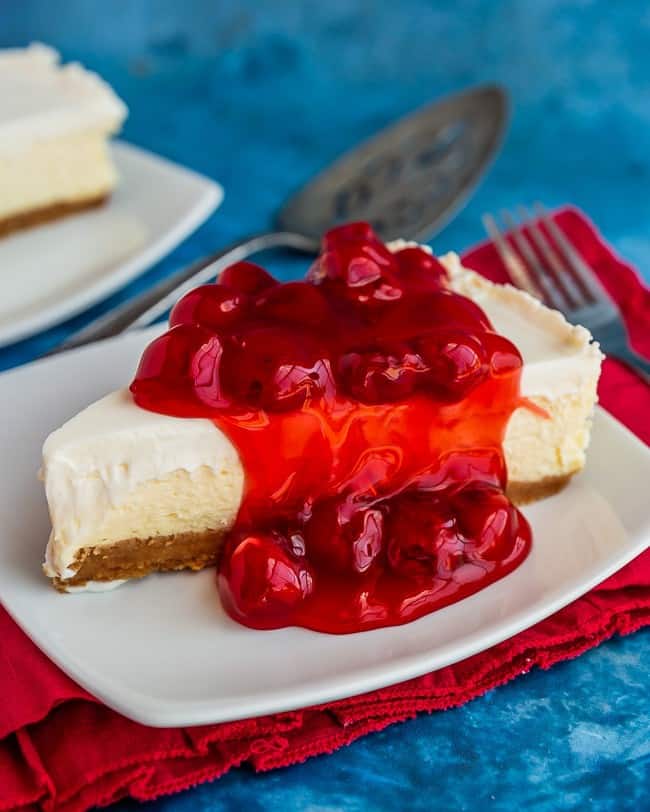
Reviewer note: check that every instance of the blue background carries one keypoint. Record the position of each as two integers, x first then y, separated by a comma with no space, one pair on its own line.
259,96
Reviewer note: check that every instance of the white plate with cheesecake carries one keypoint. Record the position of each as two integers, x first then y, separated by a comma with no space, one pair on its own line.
53,271
121,479
79,216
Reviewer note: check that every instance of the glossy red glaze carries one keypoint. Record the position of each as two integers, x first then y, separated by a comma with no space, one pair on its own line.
368,405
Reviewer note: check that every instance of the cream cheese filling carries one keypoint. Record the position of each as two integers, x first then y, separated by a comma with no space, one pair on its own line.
63,170
116,471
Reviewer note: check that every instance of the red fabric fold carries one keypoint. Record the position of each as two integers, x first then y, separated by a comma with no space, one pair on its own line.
109,757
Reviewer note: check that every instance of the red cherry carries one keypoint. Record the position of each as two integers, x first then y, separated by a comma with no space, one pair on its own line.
420,531
349,232
469,465
214,306
206,374
164,380
504,357
447,307
294,303
386,289
277,369
261,580
375,376
353,255
246,277
366,527
456,361
488,520
341,544
420,311
419,269
355,265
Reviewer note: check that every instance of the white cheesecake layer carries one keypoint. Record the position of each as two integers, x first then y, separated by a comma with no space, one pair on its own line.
64,170
116,471
42,99
54,124
539,449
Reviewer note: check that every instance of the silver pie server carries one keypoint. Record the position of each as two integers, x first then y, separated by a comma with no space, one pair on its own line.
407,181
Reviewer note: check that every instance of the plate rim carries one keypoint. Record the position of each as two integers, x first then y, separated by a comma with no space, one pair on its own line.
209,197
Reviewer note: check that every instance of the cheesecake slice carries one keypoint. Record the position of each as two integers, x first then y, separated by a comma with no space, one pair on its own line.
131,491
55,122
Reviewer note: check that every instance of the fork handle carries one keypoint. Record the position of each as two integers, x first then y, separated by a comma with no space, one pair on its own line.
614,342
633,360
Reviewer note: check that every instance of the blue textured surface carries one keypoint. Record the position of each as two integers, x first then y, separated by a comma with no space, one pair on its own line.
259,96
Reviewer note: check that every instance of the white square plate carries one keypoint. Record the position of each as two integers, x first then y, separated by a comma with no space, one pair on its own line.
51,272
163,652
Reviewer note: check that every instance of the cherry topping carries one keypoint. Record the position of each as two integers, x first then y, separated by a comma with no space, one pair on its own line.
294,303
277,369
456,362
488,519
206,373
344,544
449,308
354,257
504,356
419,312
368,405
373,376
349,232
165,379
262,579
420,529
215,306
420,270
246,277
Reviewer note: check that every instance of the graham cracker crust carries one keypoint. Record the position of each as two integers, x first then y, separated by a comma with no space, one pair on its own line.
37,217
135,558
523,493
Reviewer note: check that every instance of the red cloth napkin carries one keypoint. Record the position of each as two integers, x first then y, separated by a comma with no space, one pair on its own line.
61,749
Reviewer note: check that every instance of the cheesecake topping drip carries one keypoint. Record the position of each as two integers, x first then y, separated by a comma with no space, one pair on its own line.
368,405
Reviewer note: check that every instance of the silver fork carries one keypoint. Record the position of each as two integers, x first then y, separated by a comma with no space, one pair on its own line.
554,271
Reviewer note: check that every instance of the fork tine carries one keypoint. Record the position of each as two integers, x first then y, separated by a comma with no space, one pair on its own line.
583,272
551,294
563,276
515,267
